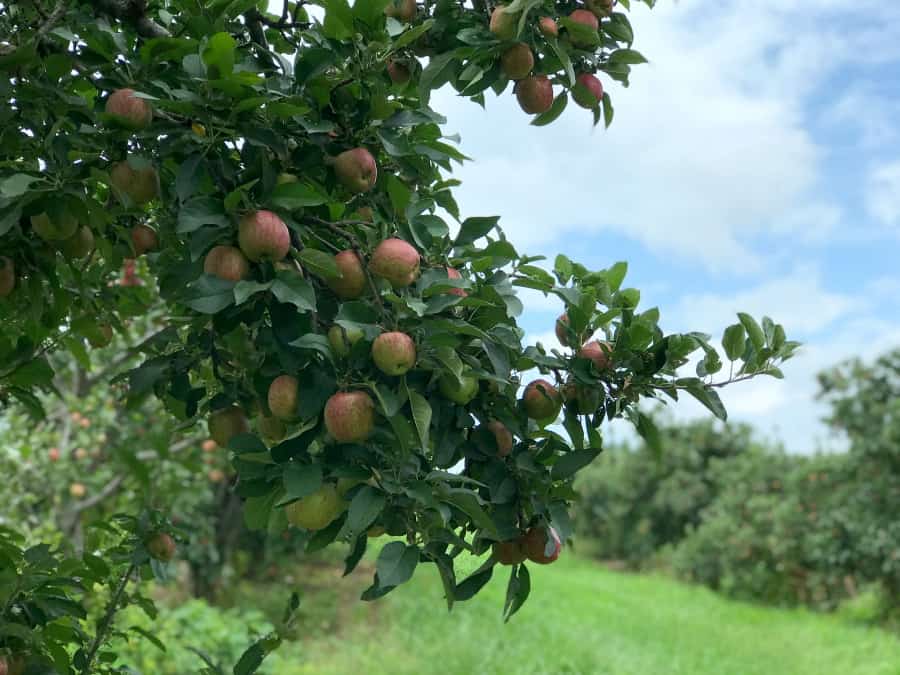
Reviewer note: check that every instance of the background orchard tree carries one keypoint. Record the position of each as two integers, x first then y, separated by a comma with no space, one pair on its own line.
343,330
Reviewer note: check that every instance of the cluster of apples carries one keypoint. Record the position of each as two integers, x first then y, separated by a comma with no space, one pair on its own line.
534,91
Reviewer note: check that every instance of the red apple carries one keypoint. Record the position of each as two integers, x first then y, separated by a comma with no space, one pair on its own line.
585,399
7,276
140,185
284,395
536,542
396,261
535,94
226,423
402,10
454,274
209,445
548,27
503,24
350,416
226,262
509,552
598,353
271,428
79,245
129,110
262,235
99,335
53,454
517,61
562,325
394,353
595,91
352,282
585,18
600,8
143,239
503,436
161,546
398,72
356,169
541,400
62,226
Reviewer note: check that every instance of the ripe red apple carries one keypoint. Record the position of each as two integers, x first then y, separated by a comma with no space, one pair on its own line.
130,111
509,552
53,454
356,169
548,27
7,276
503,436
600,8
226,262
209,445
460,392
262,235
536,541
60,227
226,423
77,490
352,282
143,239
79,245
585,18
398,72
342,339
541,400
585,399
454,274
394,353
535,94
503,24
284,395
562,325
161,546
350,416
100,335
271,428
317,510
595,90
402,10
395,260
598,353
517,61
140,185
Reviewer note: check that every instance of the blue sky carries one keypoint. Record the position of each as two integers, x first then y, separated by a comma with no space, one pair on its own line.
754,165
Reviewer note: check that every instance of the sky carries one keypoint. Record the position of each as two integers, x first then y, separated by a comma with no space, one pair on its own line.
753,165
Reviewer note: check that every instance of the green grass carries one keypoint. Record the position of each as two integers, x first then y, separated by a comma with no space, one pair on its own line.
582,618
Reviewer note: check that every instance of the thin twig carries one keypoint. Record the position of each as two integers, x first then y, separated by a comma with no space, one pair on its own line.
51,20
106,621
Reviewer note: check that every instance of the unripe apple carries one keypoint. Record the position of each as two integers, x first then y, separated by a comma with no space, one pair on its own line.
585,18
535,94
317,510
140,185
365,213
77,490
342,340
226,423
143,239
598,353
535,542
271,428
130,111
100,335
81,454
583,398
53,454
226,262
541,400
161,546
375,531
503,24
562,332
209,445
517,61
352,282
398,72
79,245
7,276
284,395
356,169
509,552
548,27
460,392
402,10
600,8
396,261
344,485
454,274
503,436
59,228
350,416
286,178
394,353
262,235
595,91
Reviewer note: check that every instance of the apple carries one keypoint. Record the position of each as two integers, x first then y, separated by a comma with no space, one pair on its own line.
271,428
352,282
365,213
541,400
562,333
344,485
502,435
598,353
317,510
226,262
16,665
509,552
209,445
535,94
342,339
61,227
402,10
262,235
585,18
161,547
396,261
129,110
454,274
77,490
140,185
79,245
594,93
536,541
398,72
143,239
84,423
284,396
517,61
53,454
81,454
600,8
375,531
350,416
394,353
129,278
7,276
215,475
284,178
226,423
548,27
503,23
100,335
460,391
584,399
356,169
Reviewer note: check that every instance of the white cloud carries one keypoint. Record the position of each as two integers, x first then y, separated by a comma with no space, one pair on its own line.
883,194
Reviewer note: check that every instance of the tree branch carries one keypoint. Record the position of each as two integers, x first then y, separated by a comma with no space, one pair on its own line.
51,20
104,624
134,11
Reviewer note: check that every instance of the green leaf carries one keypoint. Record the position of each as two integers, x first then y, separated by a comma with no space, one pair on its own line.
707,396
319,263
467,502
291,288
338,23
608,111
615,275
517,591
411,35
218,55
17,185
292,196
421,412
469,587
301,480
754,332
570,463
564,59
209,294
629,56
396,563
244,289
556,109
366,506
473,229
733,341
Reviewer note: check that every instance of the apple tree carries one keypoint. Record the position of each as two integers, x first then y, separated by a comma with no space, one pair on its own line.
328,312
